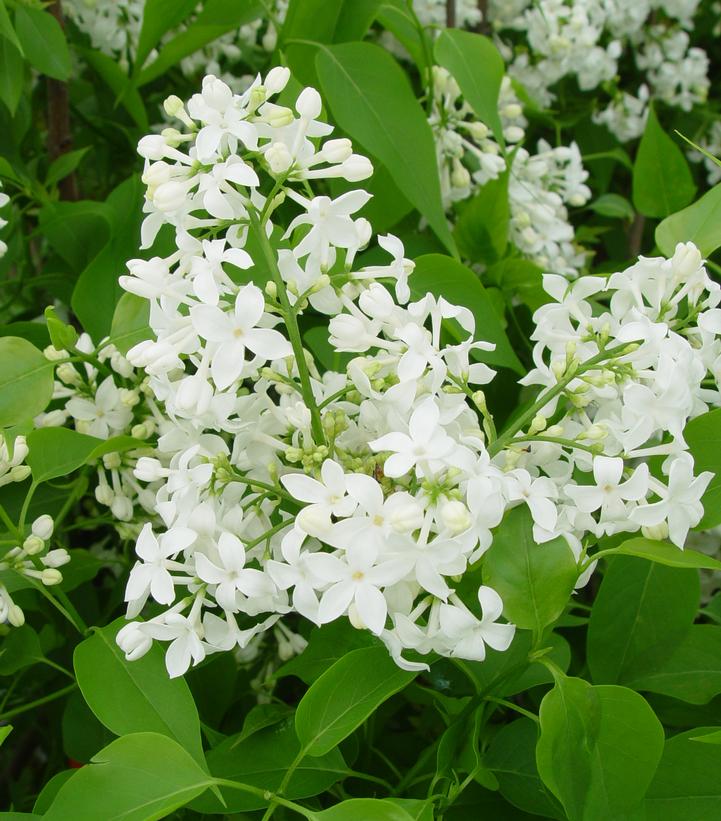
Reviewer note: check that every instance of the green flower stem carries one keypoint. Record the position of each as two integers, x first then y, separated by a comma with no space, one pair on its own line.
256,483
549,394
267,796
511,706
291,324
268,533
66,608
11,526
38,702
556,440
284,785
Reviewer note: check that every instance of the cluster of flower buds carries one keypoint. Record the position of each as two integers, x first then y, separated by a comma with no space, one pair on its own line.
33,561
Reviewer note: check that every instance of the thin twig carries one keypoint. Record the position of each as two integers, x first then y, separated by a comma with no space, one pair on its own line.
451,13
60,139
635,235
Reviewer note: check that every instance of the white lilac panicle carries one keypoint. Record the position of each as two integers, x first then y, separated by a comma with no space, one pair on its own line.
106,397
281,489
591,41
540,185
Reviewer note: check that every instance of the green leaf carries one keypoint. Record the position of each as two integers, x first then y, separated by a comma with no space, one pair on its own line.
511,756
139,777
703,435
76,230
97,291
5,731
345,695
395,16
56,452
478,68
364,809
117,81
519,279
446,277
262,759
665,553
689,671
26,381
326,645
662,181
709,738
700,223
130,323
641,612
686,786
19,649
50,790
371,99
43,42
482,227
129,697
6,28
535,581
598,748
65,164
62,336
12,75
217,17
612,205
159,16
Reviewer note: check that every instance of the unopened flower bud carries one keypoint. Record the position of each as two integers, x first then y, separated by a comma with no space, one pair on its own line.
33,545
112,460
276,79
657,532
66,373
53,354
513,133
50,576
337,150
313,521
42,527
148,469
354,618
129,398
56,558
686,261
278,157
104,494
152,147
122,508
407,517
19,473
133,642
538,424
455,516
170,196
460,177
309,104
15,616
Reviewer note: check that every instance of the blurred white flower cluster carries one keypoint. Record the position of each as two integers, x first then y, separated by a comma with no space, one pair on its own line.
540,185
114,29
4,200
368,491
589,40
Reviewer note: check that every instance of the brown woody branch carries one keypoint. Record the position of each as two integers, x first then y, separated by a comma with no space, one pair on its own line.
60,139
